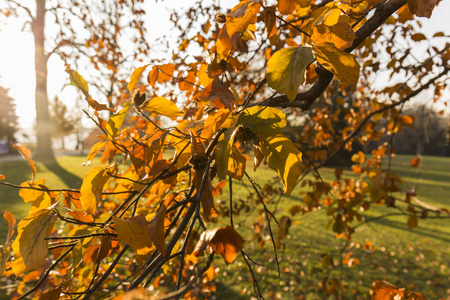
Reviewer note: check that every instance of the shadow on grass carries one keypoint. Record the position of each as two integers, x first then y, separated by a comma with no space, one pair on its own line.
434,233
70,179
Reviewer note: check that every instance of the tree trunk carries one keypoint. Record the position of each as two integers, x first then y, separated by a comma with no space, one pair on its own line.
43,123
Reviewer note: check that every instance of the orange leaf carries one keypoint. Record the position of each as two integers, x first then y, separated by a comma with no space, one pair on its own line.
135,232
287,6
81,216
219,94
413,221
382,290
160,74
53,294
26,153
415,162
92,186
9,217
242,15
157,226
224,241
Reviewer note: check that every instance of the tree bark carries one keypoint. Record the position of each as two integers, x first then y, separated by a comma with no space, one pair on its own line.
43,123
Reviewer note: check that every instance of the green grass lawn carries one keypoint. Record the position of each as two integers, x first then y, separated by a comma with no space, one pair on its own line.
418,259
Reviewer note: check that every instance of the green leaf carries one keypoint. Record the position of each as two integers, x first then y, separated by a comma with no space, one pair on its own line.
162,106
30,247
284,157
115,122
134,78
286,69
92,186
223,150
263,120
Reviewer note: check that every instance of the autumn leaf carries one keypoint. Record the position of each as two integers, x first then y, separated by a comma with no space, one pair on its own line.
283,157
53,294
80,216
219,94
26,153
382,290
134,78
162,106
242,15
224,241
340,34
236,164
263,120
9,217
160,74
115,122
286,69
413,221
415,162
92,186
422,8
157,233
287,6
30,247
135,232
78,81
214,122
340,63
223,150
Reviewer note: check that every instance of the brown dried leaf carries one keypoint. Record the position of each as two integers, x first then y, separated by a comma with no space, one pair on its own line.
224,241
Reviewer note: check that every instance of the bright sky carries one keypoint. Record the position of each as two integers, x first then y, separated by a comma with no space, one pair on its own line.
17,61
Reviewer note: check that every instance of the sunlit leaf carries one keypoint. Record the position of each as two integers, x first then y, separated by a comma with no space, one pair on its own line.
30,247
236,164
162,106
340,34
160,74
135,232
92,186
26,153
263,120
115,122
134,78
224,241
9,217
286,69
242,15
223,151
382,290
81,216
340,63
213,123
283,157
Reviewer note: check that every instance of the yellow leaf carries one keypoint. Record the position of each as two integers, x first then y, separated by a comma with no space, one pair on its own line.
263,120
162,106
242,15
286,7
30,195
340,63
30,247
92,186
78,81
134,78
5,256
115,122
284,157
26,153
223,150
286,69
340,34
236,164
224,241
135,232
213,123
258,156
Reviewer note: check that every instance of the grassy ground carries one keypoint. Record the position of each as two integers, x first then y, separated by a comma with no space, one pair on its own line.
418,259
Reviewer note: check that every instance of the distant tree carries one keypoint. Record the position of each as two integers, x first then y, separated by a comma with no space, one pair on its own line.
63,122
8,117
96,30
